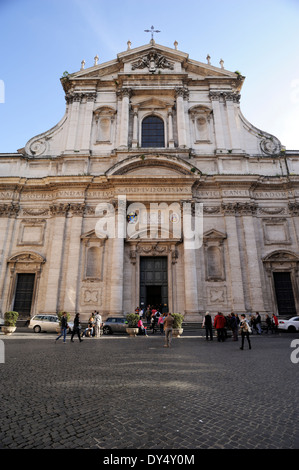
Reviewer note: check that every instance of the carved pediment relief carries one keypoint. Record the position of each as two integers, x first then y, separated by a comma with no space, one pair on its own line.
152,103
153,61
149,164
281,257
27,258
214,235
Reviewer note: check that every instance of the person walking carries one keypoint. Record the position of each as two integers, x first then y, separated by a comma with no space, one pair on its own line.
245,330
268,324
258,322
77,328
64,327
154,322
168,325
234,326
207,324
161,323
219,324
97,324
275,323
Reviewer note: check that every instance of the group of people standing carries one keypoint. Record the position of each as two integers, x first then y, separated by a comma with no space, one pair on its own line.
237,325
93,327
156,320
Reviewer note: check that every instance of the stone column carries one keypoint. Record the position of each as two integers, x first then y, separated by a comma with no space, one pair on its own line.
124,120
254,275
191,287
231,117
170,129
190,277
84,145
181,118
72,263
74,106
55,257
234,268
135,128
117,262
220,143
8,213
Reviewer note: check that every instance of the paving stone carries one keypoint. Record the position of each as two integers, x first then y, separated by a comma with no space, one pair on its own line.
116,393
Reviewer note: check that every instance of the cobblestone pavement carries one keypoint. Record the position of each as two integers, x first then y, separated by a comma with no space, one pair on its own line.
131,393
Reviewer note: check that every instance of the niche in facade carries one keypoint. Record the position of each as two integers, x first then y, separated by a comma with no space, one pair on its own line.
214,255
104,119
200,117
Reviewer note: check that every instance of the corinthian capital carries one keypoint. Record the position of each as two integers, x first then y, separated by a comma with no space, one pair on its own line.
182,92
124,92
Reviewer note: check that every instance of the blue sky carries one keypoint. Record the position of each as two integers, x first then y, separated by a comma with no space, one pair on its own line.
40,39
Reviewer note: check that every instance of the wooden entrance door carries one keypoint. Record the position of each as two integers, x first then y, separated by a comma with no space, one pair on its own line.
153,281
24,293
284,293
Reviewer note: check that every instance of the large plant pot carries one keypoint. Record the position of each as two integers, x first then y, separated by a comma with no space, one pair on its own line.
177,332
132,331
8,330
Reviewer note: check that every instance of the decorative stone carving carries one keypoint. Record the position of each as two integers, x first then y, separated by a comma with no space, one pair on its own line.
217,295
9,210
91,296
272,210
38,147
153,61
211,210
35,212
226,96
124,92
294,208
182,92
238,208
26,258
59,209
271,146
64,209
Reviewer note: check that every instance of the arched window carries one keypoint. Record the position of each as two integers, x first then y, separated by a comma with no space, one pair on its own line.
153,132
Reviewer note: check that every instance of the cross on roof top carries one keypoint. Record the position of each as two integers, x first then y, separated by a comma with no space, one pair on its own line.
152,31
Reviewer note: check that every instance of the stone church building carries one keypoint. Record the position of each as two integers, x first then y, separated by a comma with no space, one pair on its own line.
152,128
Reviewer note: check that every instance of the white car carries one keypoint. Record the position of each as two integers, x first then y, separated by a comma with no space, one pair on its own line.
291,325
46,323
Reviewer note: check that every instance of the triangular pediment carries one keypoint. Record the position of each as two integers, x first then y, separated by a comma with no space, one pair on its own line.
153,59
214,235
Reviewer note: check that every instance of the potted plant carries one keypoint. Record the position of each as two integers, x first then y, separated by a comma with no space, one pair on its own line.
132,328
10,322
177,324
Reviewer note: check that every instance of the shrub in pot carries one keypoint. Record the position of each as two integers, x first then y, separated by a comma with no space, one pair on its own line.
132,328
177,324
10,322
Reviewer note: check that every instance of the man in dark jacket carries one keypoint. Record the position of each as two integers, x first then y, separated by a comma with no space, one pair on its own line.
219,324
64,327
207,323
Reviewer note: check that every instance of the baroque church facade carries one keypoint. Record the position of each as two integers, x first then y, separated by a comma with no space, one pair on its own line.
152,128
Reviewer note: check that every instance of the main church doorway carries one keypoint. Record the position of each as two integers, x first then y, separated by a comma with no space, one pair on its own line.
24,294
154,282
284,293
